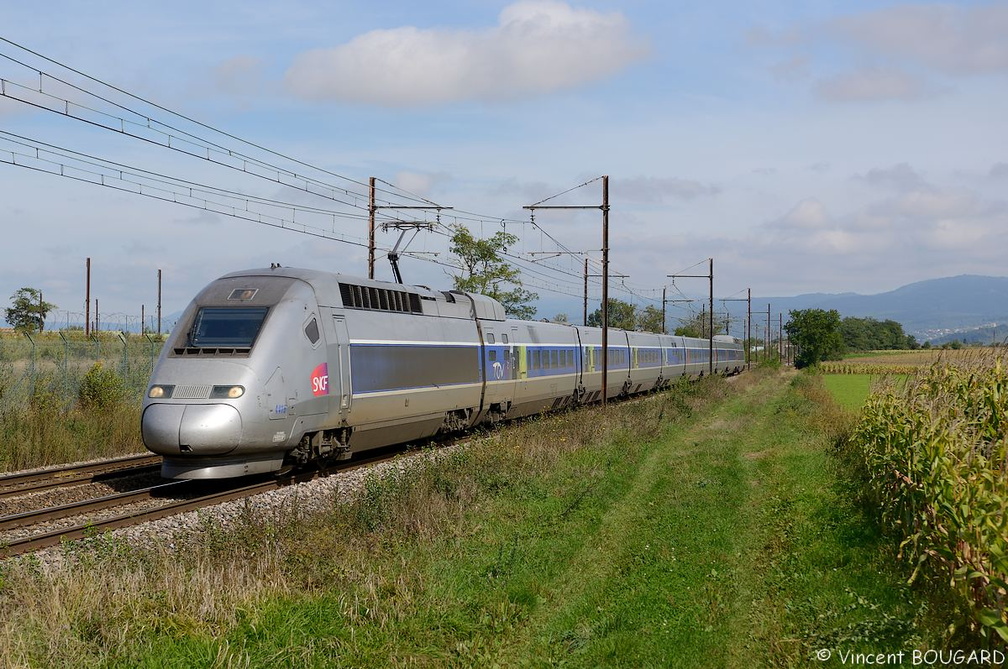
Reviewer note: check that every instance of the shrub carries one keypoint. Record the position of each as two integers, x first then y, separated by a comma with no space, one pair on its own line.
101,388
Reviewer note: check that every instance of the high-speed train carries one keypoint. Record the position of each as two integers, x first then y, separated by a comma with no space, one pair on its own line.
276,367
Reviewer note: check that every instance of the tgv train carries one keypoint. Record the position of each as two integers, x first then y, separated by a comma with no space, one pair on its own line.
277,367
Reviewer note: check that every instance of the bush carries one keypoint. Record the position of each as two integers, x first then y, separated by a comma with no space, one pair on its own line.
101,388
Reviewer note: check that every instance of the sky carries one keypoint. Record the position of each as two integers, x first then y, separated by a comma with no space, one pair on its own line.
825,146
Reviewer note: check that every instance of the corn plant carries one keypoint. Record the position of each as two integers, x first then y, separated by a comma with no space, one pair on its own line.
934,454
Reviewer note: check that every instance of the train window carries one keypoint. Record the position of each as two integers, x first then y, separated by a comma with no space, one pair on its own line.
554,363
226,327
492,355
242,294
504,338
535,360
312,332
490,338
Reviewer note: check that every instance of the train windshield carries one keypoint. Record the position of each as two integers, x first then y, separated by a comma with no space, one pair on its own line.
227,327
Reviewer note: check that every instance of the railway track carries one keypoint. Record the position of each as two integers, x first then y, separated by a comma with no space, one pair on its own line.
22,483
34,542
36,529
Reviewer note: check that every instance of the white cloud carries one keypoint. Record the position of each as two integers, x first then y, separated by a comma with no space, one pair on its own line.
538,46
240,75
873,83
421,183
652,189
953,39
901,177
809,214
905,52
793,69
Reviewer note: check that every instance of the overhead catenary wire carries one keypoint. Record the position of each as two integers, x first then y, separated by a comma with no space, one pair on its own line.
168,130
136,118
148,122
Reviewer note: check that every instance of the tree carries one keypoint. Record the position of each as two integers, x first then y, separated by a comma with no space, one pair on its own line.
815,333
484,271
699,326
869,334
622,315
651,319
28,312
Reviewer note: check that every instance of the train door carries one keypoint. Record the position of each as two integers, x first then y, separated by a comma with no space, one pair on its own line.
339,357
498,367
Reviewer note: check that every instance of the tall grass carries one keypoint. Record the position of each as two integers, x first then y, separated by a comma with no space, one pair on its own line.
698,527
64,397
54,419
108,602
933,454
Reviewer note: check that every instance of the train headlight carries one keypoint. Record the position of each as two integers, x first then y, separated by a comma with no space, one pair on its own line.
159,392
227,392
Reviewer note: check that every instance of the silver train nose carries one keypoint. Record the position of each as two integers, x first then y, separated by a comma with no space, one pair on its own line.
199,429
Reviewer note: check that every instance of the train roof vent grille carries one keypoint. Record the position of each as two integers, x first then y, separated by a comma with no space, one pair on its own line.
373,298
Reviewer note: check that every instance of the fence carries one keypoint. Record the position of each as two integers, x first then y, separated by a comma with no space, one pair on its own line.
57,361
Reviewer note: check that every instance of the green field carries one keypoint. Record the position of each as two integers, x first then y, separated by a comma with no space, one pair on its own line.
706,526
849,390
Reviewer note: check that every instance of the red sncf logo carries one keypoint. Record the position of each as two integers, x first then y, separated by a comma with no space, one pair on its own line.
320,380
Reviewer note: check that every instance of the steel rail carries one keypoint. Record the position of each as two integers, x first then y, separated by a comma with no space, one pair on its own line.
81,507
38,542
21,483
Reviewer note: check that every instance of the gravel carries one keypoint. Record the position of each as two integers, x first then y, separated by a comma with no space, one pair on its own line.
316,495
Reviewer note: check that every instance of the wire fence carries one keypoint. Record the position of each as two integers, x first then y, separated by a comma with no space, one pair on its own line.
54,363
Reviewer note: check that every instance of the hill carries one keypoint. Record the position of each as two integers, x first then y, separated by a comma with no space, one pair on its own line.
927,309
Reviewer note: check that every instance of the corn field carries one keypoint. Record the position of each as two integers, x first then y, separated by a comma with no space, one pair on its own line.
876,368
934,453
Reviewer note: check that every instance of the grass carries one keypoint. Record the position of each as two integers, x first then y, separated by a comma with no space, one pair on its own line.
707,526
849,390
52,422
64,398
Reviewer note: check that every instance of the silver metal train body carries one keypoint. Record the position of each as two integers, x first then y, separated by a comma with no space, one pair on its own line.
273,367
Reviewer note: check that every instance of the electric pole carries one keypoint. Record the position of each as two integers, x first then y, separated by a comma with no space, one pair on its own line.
605,269
710,277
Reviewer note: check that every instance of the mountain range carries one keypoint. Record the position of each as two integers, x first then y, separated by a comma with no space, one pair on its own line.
934,310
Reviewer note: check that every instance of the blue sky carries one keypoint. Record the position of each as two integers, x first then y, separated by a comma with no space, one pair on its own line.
807,147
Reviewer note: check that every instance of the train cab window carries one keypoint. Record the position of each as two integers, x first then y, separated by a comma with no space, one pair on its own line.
226,327
312,332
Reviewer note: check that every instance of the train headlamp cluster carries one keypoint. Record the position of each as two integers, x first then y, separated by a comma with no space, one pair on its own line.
227,392
216,393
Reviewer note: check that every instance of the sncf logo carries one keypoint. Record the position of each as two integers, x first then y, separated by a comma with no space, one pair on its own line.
320,380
